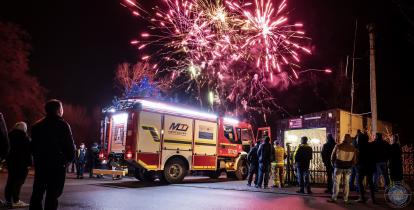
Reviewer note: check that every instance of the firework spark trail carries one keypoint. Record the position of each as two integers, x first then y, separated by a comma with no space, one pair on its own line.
205,40
269,31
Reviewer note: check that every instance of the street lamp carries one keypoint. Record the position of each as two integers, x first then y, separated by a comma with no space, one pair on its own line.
328,71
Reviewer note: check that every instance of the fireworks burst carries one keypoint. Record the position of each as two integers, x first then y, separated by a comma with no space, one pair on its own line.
231,48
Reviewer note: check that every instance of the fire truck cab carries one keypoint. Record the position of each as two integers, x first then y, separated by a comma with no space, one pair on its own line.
167,141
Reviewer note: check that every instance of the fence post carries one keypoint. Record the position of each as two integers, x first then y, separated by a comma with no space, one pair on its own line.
288,163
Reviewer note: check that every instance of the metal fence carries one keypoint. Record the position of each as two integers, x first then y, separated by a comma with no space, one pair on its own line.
318,171
408,164
317,168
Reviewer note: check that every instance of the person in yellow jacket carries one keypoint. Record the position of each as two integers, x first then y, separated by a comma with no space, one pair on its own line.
278,165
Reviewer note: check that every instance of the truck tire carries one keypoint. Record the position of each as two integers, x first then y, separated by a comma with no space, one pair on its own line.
174,171
144,175
242,170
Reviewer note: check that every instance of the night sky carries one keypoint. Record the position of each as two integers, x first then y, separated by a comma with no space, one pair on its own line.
77,45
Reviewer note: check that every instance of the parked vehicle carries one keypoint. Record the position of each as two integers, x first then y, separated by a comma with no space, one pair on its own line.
167,141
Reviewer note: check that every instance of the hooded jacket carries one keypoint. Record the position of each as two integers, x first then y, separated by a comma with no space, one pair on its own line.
344,155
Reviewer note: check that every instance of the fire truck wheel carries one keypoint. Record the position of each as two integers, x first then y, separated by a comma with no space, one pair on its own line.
175,171
242,170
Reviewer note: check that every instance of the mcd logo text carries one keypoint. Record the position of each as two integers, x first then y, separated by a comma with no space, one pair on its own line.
179,127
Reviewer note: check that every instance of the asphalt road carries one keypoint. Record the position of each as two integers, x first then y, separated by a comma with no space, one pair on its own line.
195,193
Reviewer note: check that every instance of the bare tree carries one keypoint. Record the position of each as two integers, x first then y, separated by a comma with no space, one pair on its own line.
138,80
21,95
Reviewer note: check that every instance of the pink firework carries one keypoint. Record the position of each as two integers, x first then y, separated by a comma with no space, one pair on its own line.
270,39
229,47
180,33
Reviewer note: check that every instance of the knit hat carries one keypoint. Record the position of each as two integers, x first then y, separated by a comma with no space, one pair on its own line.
21,126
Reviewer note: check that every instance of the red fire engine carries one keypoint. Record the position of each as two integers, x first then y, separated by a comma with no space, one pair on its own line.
168,141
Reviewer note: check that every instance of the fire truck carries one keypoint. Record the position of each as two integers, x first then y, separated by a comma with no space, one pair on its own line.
168,141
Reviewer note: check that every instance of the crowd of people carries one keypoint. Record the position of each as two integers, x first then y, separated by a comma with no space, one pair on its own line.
265,158
350,160
355,161
50,149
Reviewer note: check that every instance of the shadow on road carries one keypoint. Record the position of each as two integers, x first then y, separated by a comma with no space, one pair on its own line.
141,184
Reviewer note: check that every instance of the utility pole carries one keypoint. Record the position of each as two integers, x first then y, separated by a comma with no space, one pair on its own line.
373,82
352,78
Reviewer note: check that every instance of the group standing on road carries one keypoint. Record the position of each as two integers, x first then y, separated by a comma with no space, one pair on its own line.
266,161
362,160
50,150
351,161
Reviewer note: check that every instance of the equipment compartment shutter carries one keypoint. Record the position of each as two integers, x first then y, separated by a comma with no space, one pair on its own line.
205,145
149,137
205,138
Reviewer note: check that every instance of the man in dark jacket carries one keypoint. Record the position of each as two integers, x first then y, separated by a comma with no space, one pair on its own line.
253,161
354,174
326,158
366,167
81,155
264,154
382,151
18,160
52,148
93,158
396,161
4,140
302,157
